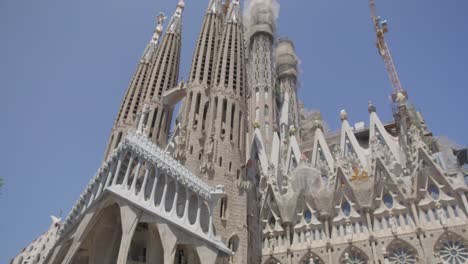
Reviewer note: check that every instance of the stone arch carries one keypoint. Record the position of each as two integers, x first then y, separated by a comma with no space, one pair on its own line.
353,255
451,248
101,244
146,245
401,252
272,260
185,254
311,258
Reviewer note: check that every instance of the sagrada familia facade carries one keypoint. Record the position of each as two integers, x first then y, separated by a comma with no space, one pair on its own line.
247,175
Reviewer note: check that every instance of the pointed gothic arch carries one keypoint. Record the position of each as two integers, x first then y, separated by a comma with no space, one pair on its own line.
186,254
272,260
104,234
353,255
401,252
451,248
311,258
146,245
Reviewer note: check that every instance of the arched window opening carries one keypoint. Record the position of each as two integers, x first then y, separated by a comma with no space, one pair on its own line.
388,201
234,243
272,222
223,118
257,114
308,216
346,208
353,255
267,111
223,208
257,95
400,252
452,248
434,191
233,112
197,110
205,113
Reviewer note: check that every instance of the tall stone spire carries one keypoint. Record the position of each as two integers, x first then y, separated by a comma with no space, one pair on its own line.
226,146
163,77
262,104
195,108
286,71
137,89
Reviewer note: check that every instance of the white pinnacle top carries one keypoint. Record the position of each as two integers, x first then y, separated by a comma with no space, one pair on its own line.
234,14
175,25
151,47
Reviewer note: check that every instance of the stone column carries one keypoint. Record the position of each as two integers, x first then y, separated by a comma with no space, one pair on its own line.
141,194
130,217
210,219
207,255
176,197
137,172
186,209
155,184
162,205
197,221
129,168
117,171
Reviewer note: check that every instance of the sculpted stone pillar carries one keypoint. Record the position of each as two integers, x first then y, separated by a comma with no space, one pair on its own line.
207,255
141,194
130,217
137,172
127,173
170,242
117,171
155,248
155,184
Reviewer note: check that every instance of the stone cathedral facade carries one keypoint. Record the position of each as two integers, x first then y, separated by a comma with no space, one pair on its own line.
247,175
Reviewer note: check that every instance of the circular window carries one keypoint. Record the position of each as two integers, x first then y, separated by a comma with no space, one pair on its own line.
454,251
388,201
434,192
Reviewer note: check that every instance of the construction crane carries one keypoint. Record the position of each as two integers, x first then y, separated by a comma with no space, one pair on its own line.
381,28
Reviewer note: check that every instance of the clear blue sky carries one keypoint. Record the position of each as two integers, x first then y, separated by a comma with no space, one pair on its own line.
65,66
